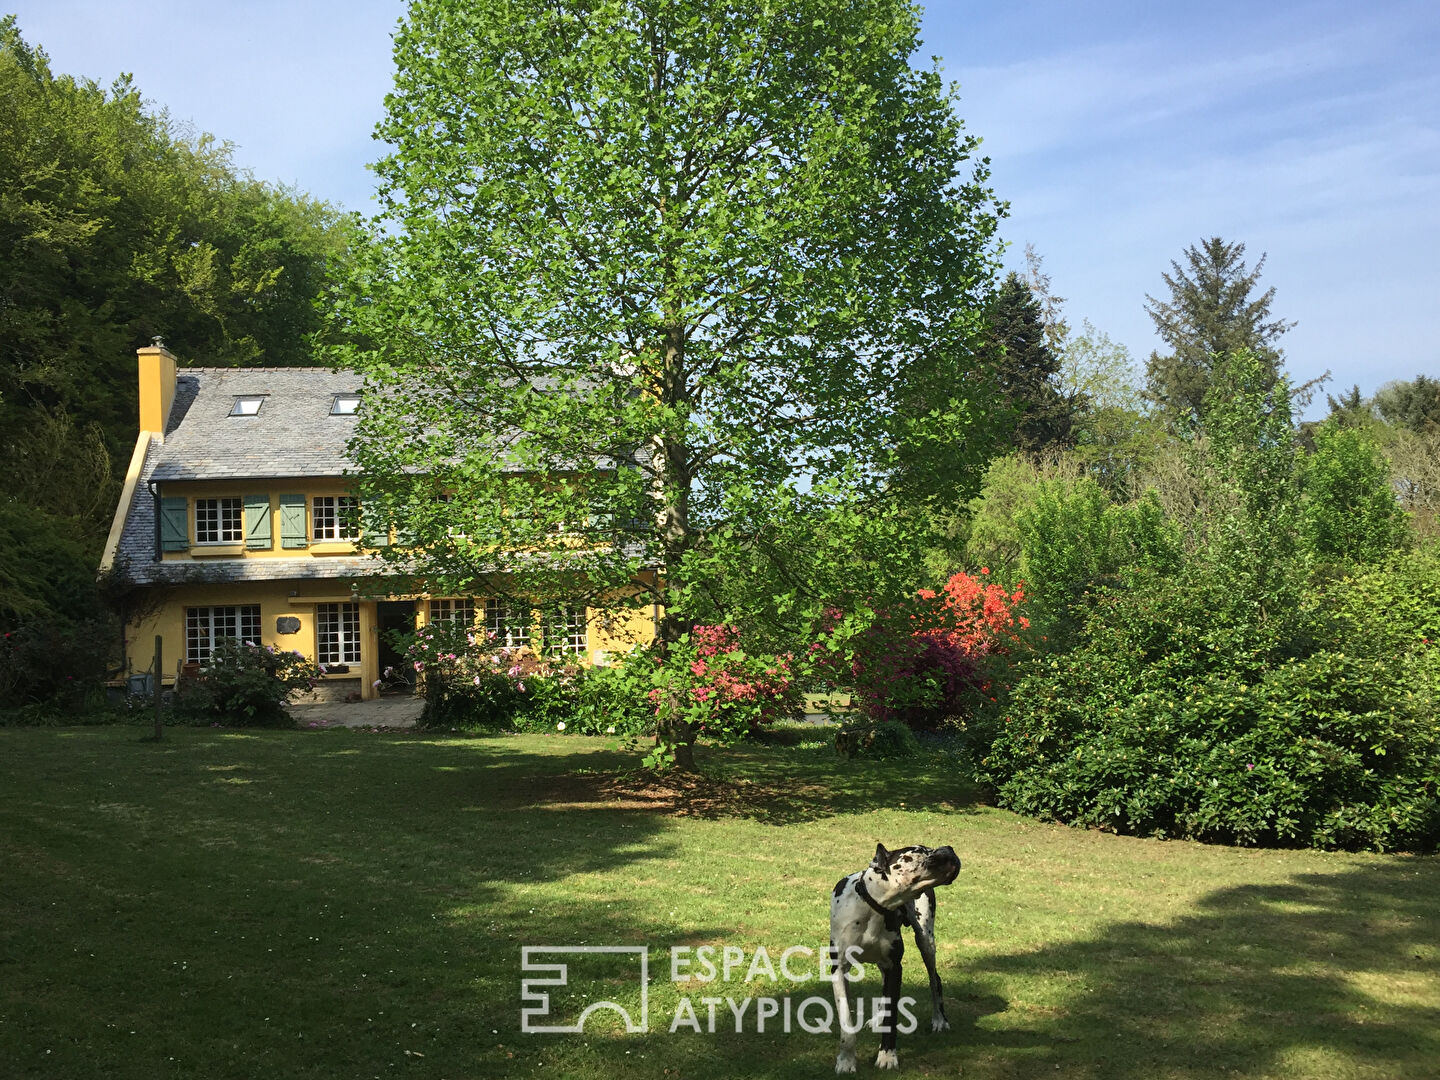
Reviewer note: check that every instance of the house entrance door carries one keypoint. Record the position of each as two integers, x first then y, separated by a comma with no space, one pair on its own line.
394,618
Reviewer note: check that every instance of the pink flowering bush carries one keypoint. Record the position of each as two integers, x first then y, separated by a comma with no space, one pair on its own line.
245,684
471,681
725,692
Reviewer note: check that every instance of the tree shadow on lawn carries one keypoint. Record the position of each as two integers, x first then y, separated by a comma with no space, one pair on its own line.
767,786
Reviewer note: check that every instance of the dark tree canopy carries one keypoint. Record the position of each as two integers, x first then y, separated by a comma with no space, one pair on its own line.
1212,310
1027,370
116,226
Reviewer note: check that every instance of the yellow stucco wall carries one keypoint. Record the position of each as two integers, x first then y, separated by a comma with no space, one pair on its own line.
612,631
164,614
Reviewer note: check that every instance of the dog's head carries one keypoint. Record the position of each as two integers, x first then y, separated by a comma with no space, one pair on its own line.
907,872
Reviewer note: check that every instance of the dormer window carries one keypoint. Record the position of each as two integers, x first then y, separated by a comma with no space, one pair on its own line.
248,405
345,405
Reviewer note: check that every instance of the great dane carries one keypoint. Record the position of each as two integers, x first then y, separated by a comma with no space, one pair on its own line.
866,914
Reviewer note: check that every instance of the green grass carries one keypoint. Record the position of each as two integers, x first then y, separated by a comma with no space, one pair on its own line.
338,904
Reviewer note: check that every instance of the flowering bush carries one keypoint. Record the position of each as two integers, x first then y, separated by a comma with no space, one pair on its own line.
470,681
725,691
933,659
245,684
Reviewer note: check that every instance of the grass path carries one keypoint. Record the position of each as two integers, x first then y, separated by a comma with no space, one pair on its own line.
346,904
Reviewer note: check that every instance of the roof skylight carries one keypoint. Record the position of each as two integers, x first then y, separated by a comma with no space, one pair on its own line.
249,405
345,405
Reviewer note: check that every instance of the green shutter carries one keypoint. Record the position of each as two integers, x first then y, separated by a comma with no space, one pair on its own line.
375,530
174,523
257,521
292,522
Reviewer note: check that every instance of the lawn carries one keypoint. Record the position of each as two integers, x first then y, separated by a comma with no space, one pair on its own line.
349,904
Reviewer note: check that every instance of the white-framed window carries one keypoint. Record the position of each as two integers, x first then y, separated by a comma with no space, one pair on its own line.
461,610
566,629
345,405
206,627
337,633
335,517
507,623
219,521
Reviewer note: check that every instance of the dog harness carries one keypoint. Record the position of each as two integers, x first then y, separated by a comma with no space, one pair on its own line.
894,917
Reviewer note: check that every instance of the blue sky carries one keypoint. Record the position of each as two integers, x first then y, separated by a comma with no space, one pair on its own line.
1118,132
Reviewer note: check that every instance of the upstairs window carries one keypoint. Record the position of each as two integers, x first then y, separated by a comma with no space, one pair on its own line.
345,405
335,517
219,521
248,405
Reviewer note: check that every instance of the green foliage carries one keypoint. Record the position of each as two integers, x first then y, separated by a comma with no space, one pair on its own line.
1173,720
715,271
1226,692
54,662
46,568
1414,405
245,684
1351,514
882,741
1210,313
471,684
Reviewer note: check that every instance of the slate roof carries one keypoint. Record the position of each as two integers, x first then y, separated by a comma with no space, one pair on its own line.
293,434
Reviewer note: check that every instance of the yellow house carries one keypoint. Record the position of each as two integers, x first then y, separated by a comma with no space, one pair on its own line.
236,521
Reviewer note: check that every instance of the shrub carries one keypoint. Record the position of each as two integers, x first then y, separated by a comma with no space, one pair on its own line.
470,682
1186,710
883,740
52,663
927,662
1350,510
246,685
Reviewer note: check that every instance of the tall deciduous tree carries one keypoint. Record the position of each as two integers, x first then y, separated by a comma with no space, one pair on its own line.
691,286
1213,309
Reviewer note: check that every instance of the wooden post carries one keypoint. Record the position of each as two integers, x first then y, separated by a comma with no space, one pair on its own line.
159,671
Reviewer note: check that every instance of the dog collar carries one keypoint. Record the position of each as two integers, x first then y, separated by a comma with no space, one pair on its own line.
894,917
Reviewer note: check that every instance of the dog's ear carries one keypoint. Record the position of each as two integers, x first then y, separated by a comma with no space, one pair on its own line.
882,857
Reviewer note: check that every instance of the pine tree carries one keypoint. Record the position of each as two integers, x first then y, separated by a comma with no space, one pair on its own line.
1212,311
1027,369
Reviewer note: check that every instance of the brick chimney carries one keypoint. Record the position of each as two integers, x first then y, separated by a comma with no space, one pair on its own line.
157,385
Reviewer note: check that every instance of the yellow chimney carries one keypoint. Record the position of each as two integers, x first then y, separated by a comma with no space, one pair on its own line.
157,386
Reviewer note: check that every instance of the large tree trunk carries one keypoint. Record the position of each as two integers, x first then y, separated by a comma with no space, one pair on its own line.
672,488
671,727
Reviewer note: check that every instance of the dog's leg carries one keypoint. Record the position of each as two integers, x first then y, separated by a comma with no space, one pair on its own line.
845,1060
890,998
925,939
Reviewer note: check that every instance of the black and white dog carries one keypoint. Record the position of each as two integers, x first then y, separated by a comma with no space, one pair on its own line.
866,913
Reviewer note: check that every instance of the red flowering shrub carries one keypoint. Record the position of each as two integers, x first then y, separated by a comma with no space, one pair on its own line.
933,660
